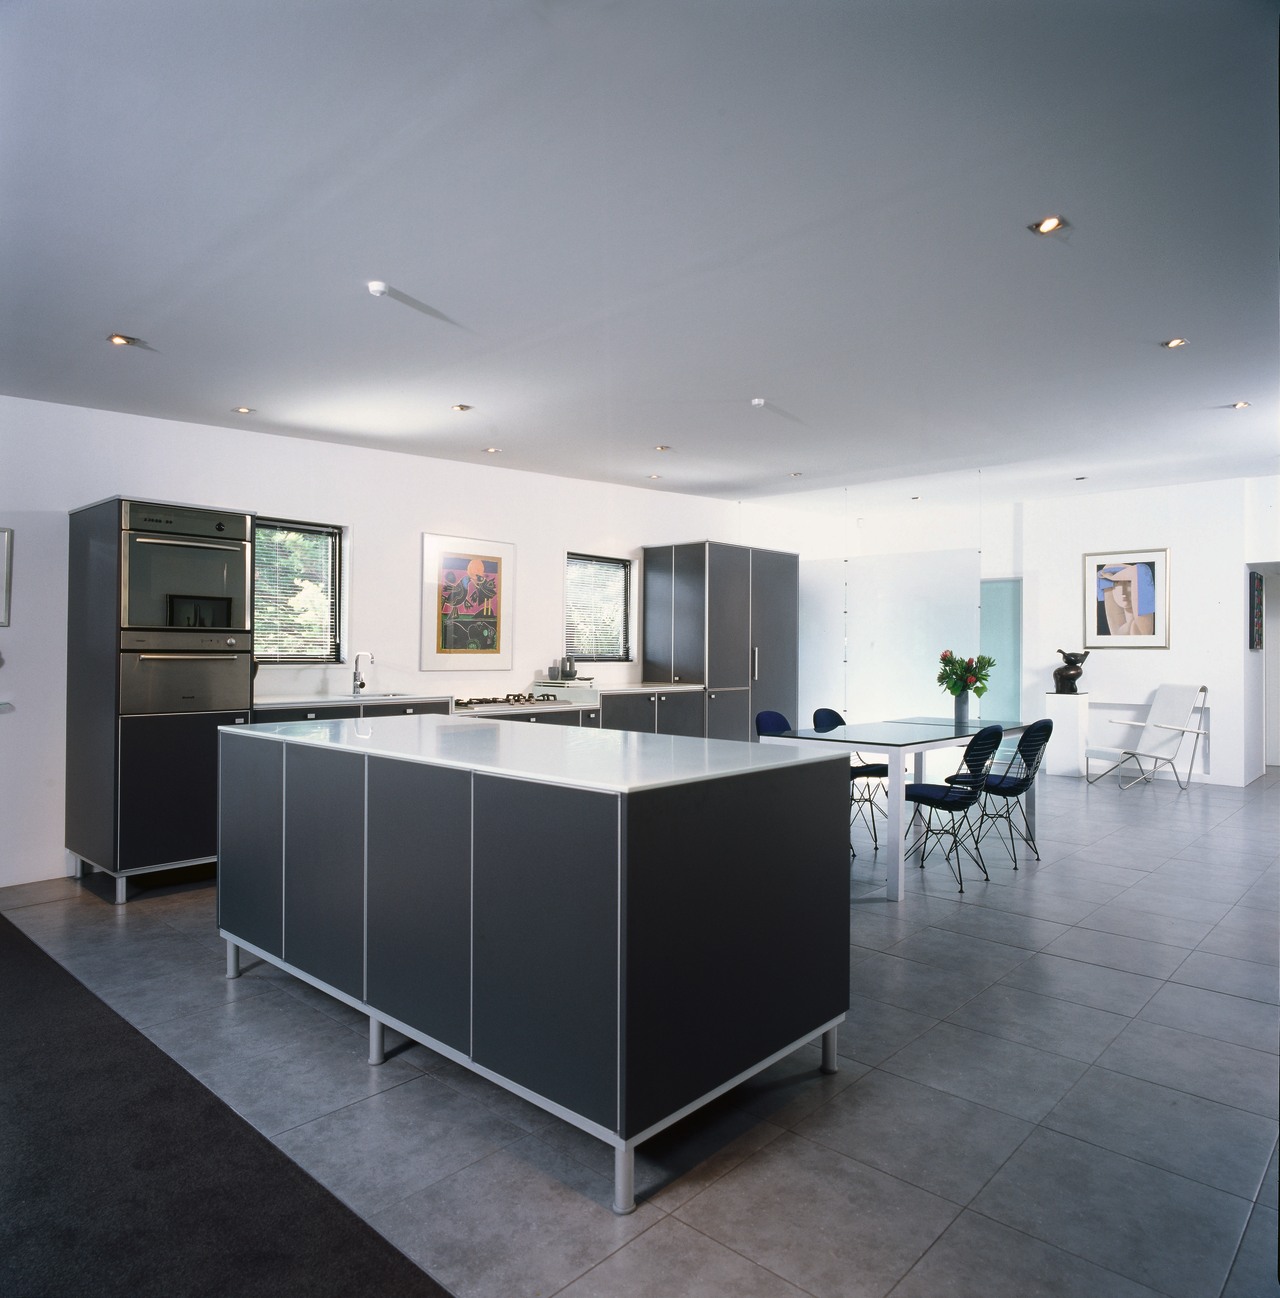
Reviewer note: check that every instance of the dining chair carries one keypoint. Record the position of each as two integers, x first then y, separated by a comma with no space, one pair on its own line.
771,723
946,806
864,781
1003,790
1166,727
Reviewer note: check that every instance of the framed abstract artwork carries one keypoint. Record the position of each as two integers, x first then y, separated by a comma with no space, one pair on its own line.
1256,607
1126,600
468,589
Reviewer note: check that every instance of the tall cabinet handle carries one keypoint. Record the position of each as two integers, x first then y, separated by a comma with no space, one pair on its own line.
755,663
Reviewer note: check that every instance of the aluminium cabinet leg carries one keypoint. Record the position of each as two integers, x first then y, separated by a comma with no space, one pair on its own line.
377,1041
233,959
829,1064
122,890
624,1180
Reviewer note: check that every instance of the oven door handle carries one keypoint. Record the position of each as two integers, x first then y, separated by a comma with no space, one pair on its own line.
189,658
189,545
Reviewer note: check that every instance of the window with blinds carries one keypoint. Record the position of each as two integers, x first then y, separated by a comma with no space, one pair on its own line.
597,604
296,597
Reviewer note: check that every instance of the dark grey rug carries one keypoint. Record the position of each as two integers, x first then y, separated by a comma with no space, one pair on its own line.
120,1174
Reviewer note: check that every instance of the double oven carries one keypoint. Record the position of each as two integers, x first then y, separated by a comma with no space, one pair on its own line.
159,655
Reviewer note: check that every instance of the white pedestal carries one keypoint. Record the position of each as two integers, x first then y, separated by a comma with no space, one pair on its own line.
1070,716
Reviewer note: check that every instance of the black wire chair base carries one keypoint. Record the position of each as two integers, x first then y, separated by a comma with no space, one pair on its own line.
952,827
997,809
863,806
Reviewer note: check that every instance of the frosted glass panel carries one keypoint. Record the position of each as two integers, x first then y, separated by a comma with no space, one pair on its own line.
1002,639
900,612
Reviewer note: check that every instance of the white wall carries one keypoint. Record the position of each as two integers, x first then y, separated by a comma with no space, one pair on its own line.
57,458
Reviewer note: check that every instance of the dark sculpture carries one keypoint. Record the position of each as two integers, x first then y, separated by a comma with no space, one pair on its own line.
1065,677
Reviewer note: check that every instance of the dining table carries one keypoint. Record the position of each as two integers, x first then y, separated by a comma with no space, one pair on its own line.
897,740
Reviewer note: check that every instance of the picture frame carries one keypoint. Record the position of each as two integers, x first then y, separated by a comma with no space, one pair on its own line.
198,611
6,572
1256,606
468,602
1126,599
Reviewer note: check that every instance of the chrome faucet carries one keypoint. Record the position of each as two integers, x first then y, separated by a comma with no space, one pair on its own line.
357,680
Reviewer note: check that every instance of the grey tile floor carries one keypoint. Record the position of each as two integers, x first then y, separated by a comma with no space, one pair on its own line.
1062,1082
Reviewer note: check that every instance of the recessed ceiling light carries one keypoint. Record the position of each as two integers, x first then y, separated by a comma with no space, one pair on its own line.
1239,405
1175,342
493,450
655,475
242,410
662,448
123,340
796,475
1082,479
915,497
1048,225
459,408
757,402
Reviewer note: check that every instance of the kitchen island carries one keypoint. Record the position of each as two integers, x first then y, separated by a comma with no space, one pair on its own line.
617,927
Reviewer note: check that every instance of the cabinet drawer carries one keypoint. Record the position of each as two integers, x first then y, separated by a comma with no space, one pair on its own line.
313,712
406,708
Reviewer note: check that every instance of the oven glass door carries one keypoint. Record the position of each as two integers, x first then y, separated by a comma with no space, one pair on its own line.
174,581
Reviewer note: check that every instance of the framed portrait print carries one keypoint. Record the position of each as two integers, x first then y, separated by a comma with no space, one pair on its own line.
468,589
1126,600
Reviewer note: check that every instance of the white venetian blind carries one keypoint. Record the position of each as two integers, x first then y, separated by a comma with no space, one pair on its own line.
296,578
597,608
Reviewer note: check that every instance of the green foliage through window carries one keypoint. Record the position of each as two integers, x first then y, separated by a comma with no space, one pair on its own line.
296,577
597,608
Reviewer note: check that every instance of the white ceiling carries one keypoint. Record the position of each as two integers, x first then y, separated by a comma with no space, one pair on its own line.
608,226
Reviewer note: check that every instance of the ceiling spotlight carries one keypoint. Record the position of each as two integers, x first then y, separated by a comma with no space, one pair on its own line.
796,475
242,410
915,497
1239,405
1175,342
123,340
1048,225
654,476
1083,478
378,287
662,448
493,450
459,408
757,402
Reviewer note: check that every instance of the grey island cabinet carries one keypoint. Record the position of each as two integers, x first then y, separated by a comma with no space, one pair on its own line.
617,927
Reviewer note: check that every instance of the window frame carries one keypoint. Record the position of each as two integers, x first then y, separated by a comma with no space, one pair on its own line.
624,566
333,533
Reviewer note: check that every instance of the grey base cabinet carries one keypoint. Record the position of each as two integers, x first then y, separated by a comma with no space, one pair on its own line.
613,954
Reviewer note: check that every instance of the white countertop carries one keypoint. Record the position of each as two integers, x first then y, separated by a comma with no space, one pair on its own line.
613,761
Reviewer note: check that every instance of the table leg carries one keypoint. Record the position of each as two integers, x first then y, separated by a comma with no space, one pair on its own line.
896,826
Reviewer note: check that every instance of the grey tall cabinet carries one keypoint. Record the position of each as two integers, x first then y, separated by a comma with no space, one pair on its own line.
725,617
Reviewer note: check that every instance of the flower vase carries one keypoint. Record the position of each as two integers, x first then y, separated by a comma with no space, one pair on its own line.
962,708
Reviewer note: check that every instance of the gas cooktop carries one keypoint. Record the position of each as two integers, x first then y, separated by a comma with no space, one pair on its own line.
507,701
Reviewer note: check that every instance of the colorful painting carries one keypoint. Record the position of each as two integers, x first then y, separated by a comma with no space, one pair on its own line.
1126,600
466,603
469,619
1255,610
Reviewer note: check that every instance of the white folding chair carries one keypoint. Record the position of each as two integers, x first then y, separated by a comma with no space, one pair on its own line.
1167,725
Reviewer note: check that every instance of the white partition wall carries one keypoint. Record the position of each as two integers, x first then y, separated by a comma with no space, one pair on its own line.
871,630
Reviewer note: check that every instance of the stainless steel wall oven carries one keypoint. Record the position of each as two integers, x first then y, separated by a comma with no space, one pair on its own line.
159,655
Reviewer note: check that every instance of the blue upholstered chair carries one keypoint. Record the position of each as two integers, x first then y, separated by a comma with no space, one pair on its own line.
771,723
946,807
1003,790
864,781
